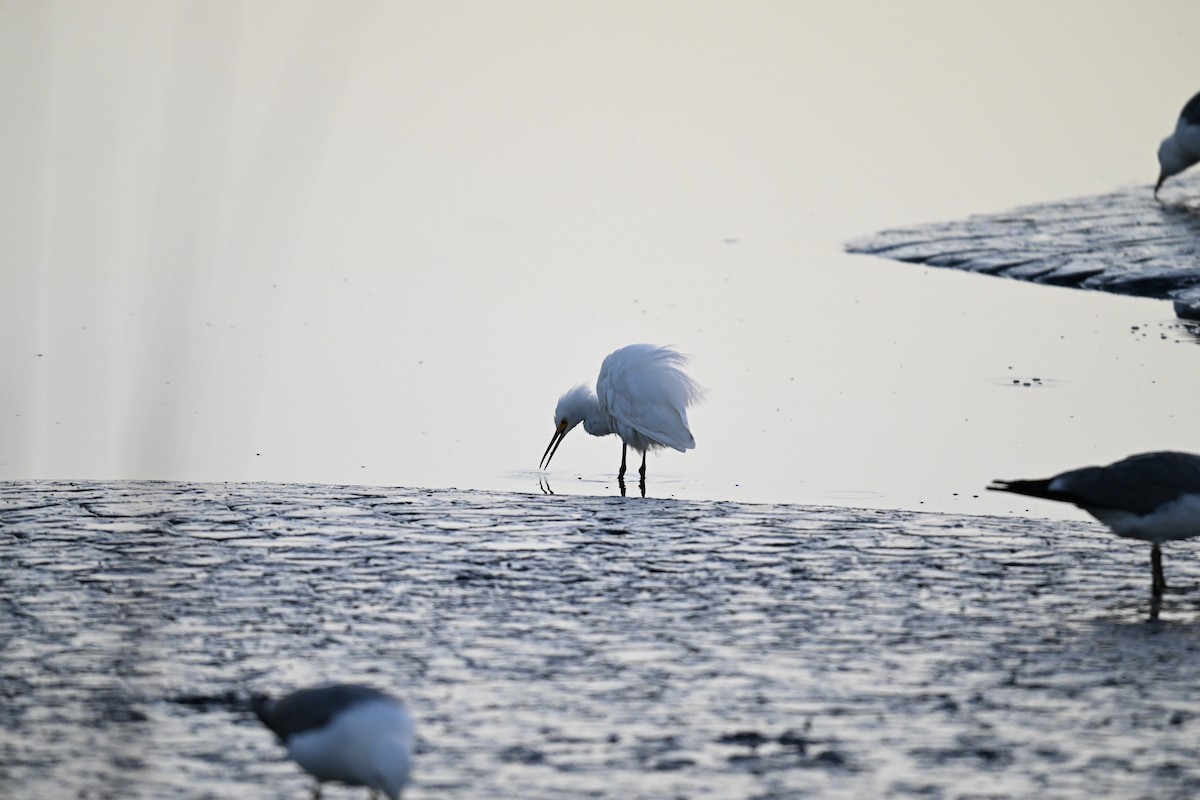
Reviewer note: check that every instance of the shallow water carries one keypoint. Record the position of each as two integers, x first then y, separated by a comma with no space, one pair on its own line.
587,646
282,241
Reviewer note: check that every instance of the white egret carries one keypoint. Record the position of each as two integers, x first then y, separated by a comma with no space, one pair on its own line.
1182,148
1154,497
642,395
345,733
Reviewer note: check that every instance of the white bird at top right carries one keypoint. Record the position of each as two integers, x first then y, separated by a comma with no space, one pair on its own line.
1182,148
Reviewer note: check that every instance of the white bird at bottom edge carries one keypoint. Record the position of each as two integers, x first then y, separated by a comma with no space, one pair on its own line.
344,733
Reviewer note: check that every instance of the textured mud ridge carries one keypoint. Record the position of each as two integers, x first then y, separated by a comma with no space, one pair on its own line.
1124,242
561,647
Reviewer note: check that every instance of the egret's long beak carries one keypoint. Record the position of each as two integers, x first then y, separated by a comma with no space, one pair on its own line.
560,433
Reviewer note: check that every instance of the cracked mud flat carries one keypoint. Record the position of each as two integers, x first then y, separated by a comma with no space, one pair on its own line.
561,647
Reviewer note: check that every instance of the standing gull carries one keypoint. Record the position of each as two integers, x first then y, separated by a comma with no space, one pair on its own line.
1182,148
346,733
1154,497
642,395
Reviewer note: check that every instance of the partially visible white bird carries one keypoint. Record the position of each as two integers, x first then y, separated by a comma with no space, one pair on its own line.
642,395
345,733
1182,148
1154,497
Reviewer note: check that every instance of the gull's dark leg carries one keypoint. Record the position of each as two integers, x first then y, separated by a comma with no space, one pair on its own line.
1159,584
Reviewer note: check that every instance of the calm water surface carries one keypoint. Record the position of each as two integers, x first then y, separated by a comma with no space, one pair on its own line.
292,242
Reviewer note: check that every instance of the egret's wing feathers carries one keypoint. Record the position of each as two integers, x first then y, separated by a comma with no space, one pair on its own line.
659,423
646,391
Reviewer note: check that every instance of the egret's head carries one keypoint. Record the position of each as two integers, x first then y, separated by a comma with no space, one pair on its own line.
571,410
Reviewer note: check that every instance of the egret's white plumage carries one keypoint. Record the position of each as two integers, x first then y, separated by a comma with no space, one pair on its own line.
642,395
1154,497
345,733
1181,149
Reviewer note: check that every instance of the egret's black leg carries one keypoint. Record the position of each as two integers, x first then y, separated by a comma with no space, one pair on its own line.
1159,584
621,474
642,473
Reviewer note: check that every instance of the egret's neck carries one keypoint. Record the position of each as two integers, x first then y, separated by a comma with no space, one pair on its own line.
596,421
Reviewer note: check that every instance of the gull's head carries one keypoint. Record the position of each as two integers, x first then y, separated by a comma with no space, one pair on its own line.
573,407
1172,160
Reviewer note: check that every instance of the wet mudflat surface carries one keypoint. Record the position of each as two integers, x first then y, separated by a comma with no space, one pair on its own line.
557,647
1124,242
